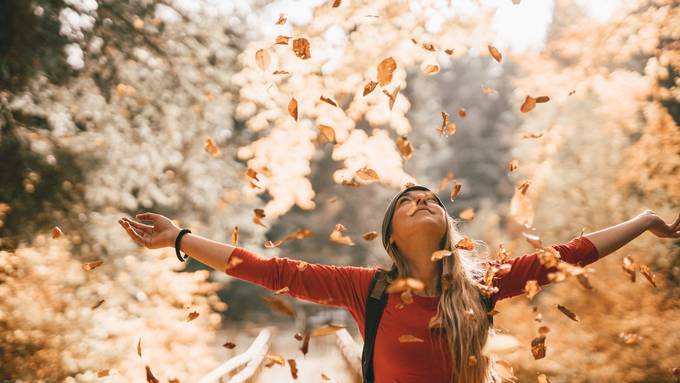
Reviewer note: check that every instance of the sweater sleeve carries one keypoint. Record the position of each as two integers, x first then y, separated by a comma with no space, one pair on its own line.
328,285
579,251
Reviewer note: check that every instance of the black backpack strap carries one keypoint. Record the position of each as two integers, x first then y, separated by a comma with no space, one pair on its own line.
487,303
375,305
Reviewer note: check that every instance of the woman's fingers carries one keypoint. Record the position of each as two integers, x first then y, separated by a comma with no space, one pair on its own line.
133,234
141,226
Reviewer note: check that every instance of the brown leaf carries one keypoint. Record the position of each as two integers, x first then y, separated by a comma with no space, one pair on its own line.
291,362
449,176
305,343
538,347
91,265
139,347
629,267
392,96
488,90
229,345
431,69
404,146
440,254
301,48
644,270
385,70
531,288
408,338
326,329
337,236
56,232
234,236
149,376
534,240
302,265
233,261
336,3
467,214
327,134
282,19
282,290
99,303
367,174
542,99
549,257
368,88
262,59
280,72
279,305
465,244
293,108
568,313
429,47
270,244
455,189
369,236
462,113
495,53
211,147
102,373
513,165
325,377
403,284
328,100
274,359
448,51
192,315
529,104
298,234
282,40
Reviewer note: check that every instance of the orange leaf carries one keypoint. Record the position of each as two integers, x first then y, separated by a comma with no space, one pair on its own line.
529,104
293,108
301,48
91,265
262,59
385,70
408,338
495,53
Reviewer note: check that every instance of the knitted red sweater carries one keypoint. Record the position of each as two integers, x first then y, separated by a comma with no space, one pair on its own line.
347,287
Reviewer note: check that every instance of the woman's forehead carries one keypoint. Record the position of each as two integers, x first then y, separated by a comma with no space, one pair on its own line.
412,192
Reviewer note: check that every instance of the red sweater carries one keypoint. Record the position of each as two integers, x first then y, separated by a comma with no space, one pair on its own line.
347,287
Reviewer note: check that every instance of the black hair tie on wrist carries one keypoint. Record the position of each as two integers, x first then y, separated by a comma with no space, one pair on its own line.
179,237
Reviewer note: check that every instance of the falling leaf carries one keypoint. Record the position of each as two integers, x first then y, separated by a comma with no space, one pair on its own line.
280,72
531,288
462,113
448,51
327,133
408,338
270,244
644,270
505,370
542,99
99,303
337,236
472,360
368,88
305,343
102,373
583,280
293,108
282,290
549,257
431,69
403,284
282,19
336,3
521,209
513,165
139,347
516,1
259,214
440,254
538,347
328,101
495,53
325,377
488,90
542,378
91,265
404,146
149,376
298,234
301,48
282,40
234,236
262,59
629,267
429,46
56,232
326,329
529,104
385,70
229,345
291,362
367,174
371,235
629,338
302,265
532,135
572,92
455,189
392,96
467,214
568,313
252,174
465,244
279,305
211,147
192,315
274,359
449,176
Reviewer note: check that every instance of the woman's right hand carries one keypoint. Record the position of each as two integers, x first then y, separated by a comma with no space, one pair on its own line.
162,233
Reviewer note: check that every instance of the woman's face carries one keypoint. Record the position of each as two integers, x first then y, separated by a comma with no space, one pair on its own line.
418,216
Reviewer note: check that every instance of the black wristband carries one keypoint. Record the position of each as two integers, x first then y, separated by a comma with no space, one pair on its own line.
179,237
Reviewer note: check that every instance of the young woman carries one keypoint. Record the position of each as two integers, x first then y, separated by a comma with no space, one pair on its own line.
415,226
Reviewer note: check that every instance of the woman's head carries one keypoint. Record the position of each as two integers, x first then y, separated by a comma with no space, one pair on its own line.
417,215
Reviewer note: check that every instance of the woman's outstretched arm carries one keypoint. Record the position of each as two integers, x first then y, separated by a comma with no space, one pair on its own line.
581,251
341,286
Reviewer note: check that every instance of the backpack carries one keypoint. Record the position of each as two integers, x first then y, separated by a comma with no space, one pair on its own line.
375,305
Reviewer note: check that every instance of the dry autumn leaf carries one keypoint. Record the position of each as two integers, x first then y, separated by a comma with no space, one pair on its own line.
538,347
270,244
102,373
293,108
233,261
488,90
465,244
274,359
644,270
139,347
56,232
369,236
462,113
192,315
150,378
229,345
211,147
429,47
445,182
280,72
531,288
262,59
385,70
528,105
282,19
404,146
431,69
281,40
448,51
568,313
234,236
367,174
467,214
91,265
440,254
629,267
257,219
328,100
337,236
455,189
368,88
291,362
327,134
392,96
301,48
326,329
336,3
279,305
403,284
495,53
513,165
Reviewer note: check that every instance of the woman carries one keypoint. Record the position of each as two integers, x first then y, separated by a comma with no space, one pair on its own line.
445,315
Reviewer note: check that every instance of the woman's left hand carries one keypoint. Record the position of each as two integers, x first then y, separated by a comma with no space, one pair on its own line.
658,226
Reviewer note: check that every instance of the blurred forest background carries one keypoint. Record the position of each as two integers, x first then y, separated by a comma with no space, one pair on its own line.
112,108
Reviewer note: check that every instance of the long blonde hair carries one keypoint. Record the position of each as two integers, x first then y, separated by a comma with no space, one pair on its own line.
457,278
